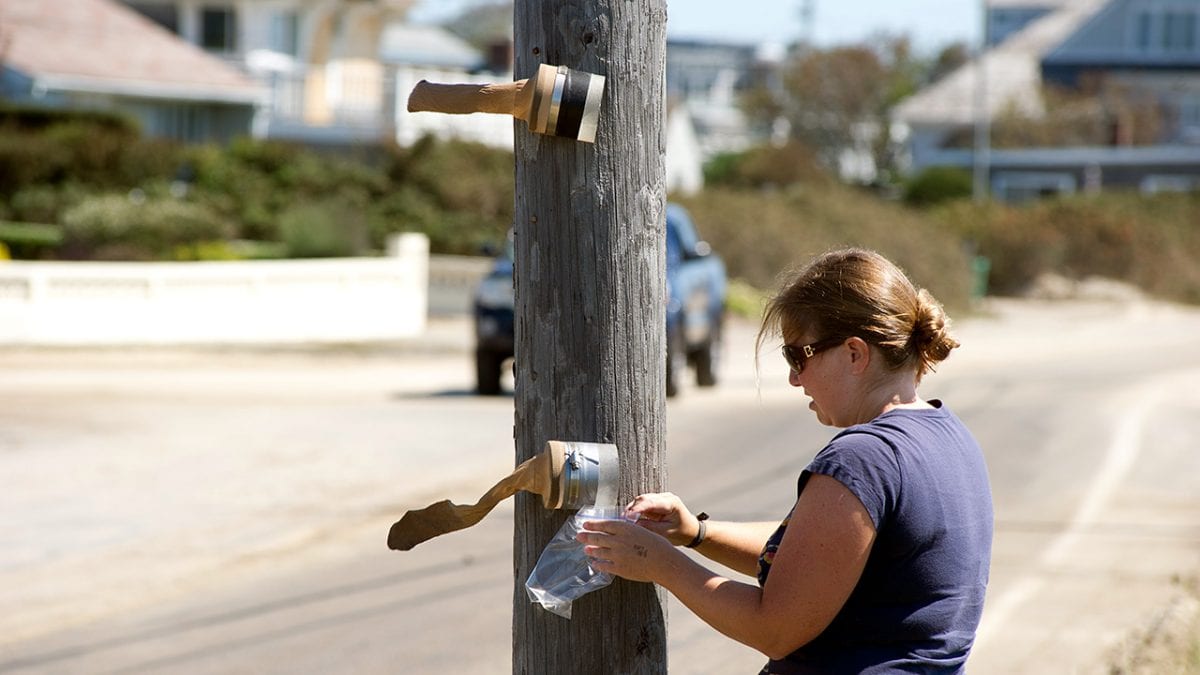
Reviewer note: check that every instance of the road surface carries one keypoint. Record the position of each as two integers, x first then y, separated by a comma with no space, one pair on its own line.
218,511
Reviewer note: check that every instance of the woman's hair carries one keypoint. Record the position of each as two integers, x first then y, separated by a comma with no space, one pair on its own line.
859,293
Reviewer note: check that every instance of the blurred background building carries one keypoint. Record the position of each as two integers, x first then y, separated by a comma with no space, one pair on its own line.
1128,70
1112,87
98,54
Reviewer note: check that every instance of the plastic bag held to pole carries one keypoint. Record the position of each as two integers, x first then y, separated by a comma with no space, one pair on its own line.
556,101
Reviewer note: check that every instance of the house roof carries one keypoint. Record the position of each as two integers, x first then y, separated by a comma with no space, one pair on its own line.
1027,4
101,46
1012,71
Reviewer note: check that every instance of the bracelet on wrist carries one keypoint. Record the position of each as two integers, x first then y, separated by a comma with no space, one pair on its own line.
703,530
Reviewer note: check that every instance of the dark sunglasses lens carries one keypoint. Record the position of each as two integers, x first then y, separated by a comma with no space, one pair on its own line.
789,355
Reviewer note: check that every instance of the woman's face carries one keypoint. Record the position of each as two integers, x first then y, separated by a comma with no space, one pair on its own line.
823,380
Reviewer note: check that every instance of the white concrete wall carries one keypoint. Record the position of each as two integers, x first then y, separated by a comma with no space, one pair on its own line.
276,301
684,161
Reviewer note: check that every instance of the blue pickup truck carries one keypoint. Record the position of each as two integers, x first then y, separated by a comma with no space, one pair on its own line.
695,310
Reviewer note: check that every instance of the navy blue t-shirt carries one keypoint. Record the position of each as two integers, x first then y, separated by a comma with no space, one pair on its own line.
922,478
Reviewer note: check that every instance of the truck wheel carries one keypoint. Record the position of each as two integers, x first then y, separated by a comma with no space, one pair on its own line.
708,357
487,372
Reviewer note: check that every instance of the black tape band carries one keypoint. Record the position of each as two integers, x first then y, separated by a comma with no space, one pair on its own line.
574,99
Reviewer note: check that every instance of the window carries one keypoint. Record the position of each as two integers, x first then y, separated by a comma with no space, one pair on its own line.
1189,118
1143,31
1024,186
1155,183
1170,30
164,15
1179,31
285,32
218,29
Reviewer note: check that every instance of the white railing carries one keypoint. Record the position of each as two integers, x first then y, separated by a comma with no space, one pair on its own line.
275,301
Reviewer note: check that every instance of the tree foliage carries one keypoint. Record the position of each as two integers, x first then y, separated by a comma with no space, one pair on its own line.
842,97
1099,112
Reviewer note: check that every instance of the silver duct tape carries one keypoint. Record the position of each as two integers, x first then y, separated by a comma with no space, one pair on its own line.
609,476
560,83
591,473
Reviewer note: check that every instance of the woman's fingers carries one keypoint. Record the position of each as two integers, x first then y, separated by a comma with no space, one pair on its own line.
664,514
621,548
605,526
656,506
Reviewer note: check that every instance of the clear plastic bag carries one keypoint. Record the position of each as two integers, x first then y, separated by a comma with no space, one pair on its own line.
563,573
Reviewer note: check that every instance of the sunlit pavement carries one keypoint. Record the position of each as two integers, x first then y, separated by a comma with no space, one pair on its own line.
143,482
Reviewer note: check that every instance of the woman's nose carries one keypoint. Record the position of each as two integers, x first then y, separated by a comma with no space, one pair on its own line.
793,378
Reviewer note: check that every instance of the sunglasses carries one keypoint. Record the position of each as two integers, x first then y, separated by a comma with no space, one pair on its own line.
796,356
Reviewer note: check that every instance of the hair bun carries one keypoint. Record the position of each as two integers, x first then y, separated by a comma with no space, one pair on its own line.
931,331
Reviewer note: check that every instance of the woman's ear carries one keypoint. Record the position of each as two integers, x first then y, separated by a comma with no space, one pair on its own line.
860,355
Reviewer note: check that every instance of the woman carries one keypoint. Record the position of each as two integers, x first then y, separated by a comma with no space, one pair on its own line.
882,563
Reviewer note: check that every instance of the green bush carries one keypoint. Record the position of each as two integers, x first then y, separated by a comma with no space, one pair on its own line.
936,185
28,240
45,203
240,191
460,194
1150,241
31,119
96,152
118,227
765,210
326,229
29,160
40,148
761,236
766,167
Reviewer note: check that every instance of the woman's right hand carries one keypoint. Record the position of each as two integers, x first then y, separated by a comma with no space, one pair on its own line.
664,513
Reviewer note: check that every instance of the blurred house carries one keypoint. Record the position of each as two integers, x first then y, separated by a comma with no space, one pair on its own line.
1147,47
97,54
705,79
338,72
318,60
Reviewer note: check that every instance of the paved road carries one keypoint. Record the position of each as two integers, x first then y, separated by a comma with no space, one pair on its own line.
217,512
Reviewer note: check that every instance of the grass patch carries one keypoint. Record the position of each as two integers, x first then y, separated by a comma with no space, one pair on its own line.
34,234
1170,645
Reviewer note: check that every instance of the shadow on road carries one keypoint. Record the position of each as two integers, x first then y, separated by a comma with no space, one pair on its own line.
447,393
300,603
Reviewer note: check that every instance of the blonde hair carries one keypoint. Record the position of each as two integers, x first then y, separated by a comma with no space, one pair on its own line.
859,293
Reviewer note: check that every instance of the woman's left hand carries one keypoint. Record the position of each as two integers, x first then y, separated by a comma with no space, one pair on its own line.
625,549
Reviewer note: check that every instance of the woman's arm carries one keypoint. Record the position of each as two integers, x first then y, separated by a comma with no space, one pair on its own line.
819,561
735,545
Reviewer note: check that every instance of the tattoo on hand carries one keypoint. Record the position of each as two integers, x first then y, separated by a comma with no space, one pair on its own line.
639,550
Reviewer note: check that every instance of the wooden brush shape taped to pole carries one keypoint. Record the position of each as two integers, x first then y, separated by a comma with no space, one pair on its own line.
567,475
556,101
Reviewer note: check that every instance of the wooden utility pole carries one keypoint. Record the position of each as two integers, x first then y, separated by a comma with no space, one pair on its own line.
590,275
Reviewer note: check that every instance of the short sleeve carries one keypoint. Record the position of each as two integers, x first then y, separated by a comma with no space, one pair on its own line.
867,465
